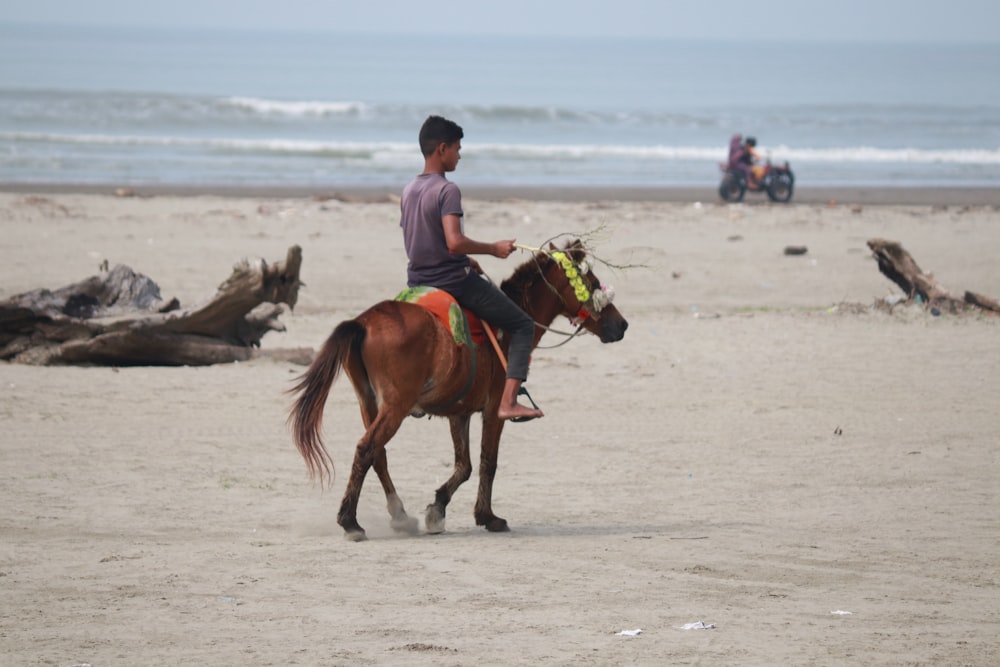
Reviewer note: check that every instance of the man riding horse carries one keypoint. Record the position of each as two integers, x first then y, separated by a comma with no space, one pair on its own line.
438,252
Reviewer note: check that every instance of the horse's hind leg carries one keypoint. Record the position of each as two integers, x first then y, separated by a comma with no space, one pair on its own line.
347,517
435,512
400,521
370,448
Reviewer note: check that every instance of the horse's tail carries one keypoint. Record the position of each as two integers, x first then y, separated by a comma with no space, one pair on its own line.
306,416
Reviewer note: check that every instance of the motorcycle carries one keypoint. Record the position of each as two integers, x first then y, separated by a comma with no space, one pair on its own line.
777,181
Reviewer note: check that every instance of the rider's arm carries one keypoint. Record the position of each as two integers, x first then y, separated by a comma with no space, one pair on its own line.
458,242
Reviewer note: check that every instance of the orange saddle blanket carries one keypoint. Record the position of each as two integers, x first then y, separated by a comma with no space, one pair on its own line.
465,328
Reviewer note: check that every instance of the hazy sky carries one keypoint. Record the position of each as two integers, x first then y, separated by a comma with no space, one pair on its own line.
833,20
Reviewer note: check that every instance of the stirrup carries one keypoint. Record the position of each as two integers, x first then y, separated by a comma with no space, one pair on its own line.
521,391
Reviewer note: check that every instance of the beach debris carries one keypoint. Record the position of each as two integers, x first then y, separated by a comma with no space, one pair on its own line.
118,318
424,648
698,315
893,299
697,625
373,198
841,612
47,207
629,633
896,264
796,249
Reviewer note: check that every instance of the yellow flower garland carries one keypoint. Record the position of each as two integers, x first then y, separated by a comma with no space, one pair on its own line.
575,279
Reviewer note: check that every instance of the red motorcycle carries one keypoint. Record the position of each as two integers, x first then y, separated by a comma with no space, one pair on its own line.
777,181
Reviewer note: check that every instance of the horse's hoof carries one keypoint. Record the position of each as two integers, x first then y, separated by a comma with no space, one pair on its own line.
405,524
497,525
355,536
434,519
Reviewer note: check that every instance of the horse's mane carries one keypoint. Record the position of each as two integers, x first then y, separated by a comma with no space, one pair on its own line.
533,270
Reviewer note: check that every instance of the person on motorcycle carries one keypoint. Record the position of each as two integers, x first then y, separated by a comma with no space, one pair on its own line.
741,158
745,170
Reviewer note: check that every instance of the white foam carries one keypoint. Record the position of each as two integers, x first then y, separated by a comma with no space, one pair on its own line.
296,108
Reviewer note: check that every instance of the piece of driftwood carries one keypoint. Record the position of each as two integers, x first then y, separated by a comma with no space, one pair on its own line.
984,302
118,318
898,265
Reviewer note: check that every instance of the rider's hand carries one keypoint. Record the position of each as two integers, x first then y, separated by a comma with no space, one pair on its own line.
503,249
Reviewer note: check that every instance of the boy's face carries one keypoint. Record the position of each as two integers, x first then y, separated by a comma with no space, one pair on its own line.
450,155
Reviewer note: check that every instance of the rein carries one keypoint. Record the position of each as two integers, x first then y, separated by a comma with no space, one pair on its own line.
569,336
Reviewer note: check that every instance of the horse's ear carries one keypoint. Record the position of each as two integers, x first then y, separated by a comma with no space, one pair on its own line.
576,250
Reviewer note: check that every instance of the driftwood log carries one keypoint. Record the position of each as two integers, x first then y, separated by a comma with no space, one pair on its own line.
118,318
898,265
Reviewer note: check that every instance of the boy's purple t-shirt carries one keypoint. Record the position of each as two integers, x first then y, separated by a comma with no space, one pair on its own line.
425,202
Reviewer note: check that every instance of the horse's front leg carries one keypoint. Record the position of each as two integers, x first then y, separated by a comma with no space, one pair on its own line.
435,512
492,428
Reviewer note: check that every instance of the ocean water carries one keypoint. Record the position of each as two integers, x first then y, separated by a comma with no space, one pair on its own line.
170,107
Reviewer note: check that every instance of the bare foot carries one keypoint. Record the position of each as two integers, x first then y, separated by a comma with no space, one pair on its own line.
519,413
510,408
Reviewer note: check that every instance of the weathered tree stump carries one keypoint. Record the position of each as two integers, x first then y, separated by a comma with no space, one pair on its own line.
898,265
118,318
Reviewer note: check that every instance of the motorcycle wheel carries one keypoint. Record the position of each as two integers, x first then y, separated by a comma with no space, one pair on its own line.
780,188
732,188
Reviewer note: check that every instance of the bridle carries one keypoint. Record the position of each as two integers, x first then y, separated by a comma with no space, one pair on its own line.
597,296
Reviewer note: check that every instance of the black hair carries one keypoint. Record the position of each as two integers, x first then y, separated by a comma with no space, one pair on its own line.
436,131
751,141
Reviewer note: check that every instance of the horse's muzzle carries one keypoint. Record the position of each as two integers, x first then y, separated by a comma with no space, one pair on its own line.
612,328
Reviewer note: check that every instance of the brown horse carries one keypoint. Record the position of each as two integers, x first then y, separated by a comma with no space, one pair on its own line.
402,360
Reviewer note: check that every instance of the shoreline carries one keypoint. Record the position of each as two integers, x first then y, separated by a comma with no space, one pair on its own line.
905,196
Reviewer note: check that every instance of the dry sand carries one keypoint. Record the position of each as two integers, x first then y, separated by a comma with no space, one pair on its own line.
761,453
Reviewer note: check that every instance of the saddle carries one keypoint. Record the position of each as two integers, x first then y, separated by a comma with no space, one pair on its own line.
465,328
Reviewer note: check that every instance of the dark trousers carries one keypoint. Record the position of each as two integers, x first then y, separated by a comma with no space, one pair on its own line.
490,304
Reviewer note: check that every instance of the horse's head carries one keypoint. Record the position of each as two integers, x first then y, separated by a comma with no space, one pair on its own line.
585,300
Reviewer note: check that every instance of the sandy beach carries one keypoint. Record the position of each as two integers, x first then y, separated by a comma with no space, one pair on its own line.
815,481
